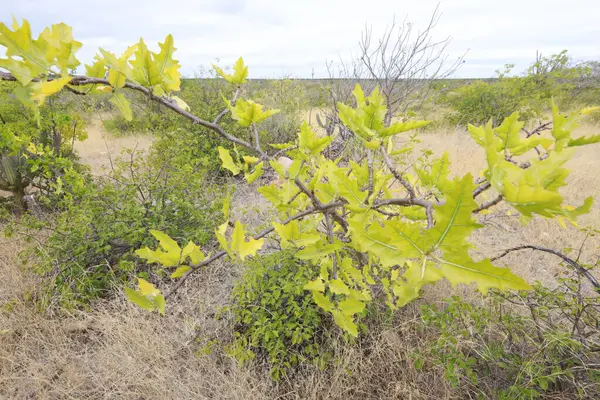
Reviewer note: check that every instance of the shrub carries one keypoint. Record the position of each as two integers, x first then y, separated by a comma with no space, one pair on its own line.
36,150
275,319
520,345
94,232
289,96
529,93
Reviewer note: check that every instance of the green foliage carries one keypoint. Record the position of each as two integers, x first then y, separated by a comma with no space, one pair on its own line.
50,55
481,101
548,346
95,231
240,72
275,320
247,112
146,296
534,189
37,150
291,98
358,234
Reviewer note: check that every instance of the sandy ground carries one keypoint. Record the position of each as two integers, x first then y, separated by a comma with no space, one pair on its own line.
101,147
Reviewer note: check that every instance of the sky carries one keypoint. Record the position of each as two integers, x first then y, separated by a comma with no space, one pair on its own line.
289,38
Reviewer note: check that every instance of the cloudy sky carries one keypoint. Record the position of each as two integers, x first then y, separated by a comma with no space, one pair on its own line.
291,37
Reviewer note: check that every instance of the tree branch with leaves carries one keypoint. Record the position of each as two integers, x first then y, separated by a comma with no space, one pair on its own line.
363,233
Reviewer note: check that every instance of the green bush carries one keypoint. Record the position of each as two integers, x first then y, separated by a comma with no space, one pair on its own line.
93,233
275,319
519,345
528,93
36,150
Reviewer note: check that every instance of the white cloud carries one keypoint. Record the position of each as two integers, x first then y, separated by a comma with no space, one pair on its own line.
293,37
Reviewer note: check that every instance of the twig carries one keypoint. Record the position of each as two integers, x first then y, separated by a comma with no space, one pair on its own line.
397,175
331,240
489,204
565,258
482,188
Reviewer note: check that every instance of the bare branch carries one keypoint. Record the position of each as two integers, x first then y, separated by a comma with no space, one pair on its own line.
579,268
256,138
396,173
481,188
489,204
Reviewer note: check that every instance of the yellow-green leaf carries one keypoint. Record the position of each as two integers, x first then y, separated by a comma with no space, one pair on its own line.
317,285
337,286
179,272
227,161
242,247
322,301
345,322
351,306
146,288
240,72
119,100
140,300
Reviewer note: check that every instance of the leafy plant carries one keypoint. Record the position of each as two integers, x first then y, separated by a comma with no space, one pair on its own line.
93,233
521,345
275,319
547,78
375,233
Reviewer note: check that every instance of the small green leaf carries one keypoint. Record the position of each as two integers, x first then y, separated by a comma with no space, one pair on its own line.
337,286
159,302
317,285
146,288
240,72
345,322
180,271
258,170
138,299
228,162
351,306
194,252
242,247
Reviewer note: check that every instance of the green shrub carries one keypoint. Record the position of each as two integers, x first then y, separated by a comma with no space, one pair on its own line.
519,345
275,319
528,93
94,232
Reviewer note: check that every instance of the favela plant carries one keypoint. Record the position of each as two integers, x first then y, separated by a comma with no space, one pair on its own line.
376,233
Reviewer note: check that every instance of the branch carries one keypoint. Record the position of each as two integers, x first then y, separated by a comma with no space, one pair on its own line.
370,165
225,111
539,129
260,235
331,240
81,80
482,188
565,258
411,202
489,204
319,205
256,138
397,175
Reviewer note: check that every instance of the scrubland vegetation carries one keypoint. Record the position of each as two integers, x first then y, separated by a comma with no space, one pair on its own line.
386,233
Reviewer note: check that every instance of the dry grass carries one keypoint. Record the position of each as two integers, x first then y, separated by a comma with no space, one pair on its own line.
100,146
117,351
